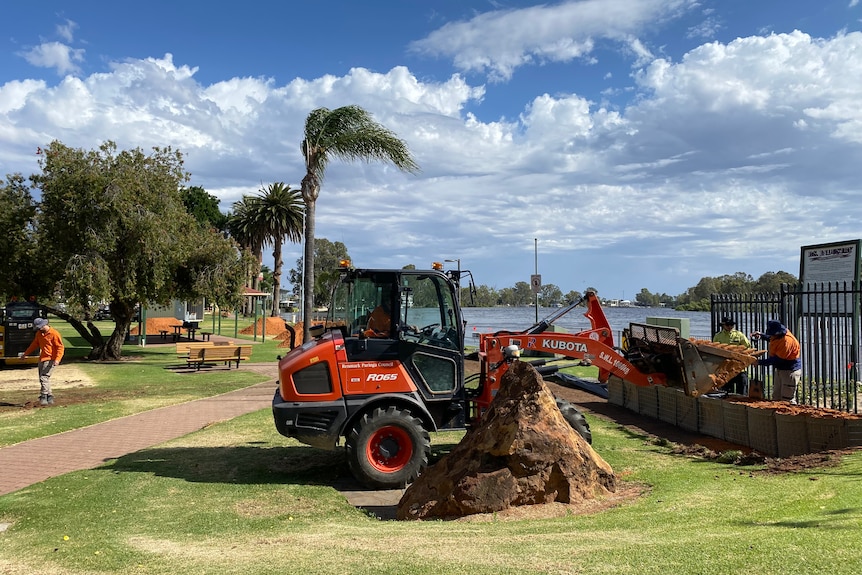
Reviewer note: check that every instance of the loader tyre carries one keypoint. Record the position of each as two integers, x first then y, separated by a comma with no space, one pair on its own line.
388,448
576,419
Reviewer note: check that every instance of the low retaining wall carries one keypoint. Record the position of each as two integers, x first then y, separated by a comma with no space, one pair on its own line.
777,431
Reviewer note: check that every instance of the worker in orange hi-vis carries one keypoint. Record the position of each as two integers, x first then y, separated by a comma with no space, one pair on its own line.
379,321
51,349
785,357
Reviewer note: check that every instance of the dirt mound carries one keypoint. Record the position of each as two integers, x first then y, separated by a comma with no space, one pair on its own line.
274,327
523,453
791,409
157,324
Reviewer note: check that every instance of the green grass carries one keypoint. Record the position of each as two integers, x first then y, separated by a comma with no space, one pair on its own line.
237,498
144,379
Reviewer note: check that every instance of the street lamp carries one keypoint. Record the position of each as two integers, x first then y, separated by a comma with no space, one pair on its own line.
458,293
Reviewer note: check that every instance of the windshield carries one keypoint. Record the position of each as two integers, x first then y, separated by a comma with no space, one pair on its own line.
420,307
354,301
428,310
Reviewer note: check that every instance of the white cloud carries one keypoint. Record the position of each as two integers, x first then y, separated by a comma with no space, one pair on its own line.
66,30
61,57
499,42
708,171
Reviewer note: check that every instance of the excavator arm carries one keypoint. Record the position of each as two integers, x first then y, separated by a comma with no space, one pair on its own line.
652,355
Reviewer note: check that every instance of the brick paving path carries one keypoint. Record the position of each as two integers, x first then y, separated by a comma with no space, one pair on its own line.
30,462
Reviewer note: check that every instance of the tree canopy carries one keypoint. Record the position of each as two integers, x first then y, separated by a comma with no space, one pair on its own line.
326,257
112,226
204,207
18,241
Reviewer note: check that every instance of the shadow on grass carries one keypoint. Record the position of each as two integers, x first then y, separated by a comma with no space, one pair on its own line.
246,464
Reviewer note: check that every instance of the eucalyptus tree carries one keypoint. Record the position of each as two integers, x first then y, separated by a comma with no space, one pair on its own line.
347,133
204,207
18,240
112,227
326,257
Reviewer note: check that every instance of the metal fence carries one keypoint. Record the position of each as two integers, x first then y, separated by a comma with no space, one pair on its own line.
826,320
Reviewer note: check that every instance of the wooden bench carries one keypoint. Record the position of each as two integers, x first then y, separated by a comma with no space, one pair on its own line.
219,353
205,335
164,334
184,347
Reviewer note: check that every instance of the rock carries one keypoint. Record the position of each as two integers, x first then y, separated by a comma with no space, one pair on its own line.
523,453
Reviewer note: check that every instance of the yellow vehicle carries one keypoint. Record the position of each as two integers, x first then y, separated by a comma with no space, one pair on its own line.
16,331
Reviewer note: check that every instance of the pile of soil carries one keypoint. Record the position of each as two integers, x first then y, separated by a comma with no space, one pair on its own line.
157,324
523,453
790,409
274,327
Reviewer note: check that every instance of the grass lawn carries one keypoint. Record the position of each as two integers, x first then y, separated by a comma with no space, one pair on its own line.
146,378
236,498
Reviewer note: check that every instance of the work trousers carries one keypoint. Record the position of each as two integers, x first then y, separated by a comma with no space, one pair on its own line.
784,384
737,385
45,369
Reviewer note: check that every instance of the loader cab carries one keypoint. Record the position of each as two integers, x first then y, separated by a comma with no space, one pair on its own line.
425,327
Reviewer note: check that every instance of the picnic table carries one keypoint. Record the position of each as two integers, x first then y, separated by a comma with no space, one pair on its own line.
178,331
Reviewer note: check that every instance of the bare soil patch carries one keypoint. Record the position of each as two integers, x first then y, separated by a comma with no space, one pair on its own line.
19,385
65,375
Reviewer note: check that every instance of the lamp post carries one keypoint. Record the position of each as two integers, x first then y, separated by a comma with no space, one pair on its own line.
458,293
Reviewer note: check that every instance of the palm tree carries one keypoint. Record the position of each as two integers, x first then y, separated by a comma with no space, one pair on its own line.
242,225
348,133
279,212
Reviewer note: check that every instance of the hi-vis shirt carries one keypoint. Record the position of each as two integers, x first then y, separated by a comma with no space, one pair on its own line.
733,336
50,346
784,353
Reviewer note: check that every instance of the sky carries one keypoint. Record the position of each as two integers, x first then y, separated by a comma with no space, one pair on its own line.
614,144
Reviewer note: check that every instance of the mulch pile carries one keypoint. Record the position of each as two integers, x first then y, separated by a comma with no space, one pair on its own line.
789,409
157,324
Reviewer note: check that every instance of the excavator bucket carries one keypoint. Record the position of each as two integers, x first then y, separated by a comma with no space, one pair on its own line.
697,366
709,365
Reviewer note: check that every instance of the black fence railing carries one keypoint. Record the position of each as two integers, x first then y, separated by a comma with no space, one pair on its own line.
826,320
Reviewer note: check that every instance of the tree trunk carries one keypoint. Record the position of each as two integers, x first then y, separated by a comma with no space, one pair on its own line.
308,272
122,312
101,350
89,332
276,280
309,196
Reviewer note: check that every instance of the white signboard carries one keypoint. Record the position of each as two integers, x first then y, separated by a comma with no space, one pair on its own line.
825,264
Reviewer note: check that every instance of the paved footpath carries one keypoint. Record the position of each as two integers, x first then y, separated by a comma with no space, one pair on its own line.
29,462
33,461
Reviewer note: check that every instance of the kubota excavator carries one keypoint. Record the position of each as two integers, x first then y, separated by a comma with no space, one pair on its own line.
384,390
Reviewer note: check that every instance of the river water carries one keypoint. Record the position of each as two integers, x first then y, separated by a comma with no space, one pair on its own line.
490,319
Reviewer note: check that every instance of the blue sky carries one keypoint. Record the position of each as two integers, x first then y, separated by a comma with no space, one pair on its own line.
637,144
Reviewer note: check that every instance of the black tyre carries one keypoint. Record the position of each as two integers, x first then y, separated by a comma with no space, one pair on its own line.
576,419
387,449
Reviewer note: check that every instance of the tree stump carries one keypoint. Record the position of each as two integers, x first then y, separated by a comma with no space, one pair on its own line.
522,453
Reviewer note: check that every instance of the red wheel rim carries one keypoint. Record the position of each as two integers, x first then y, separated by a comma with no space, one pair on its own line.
389,449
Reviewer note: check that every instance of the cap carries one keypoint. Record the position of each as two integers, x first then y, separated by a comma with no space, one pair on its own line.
727,320
774,328
39,323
